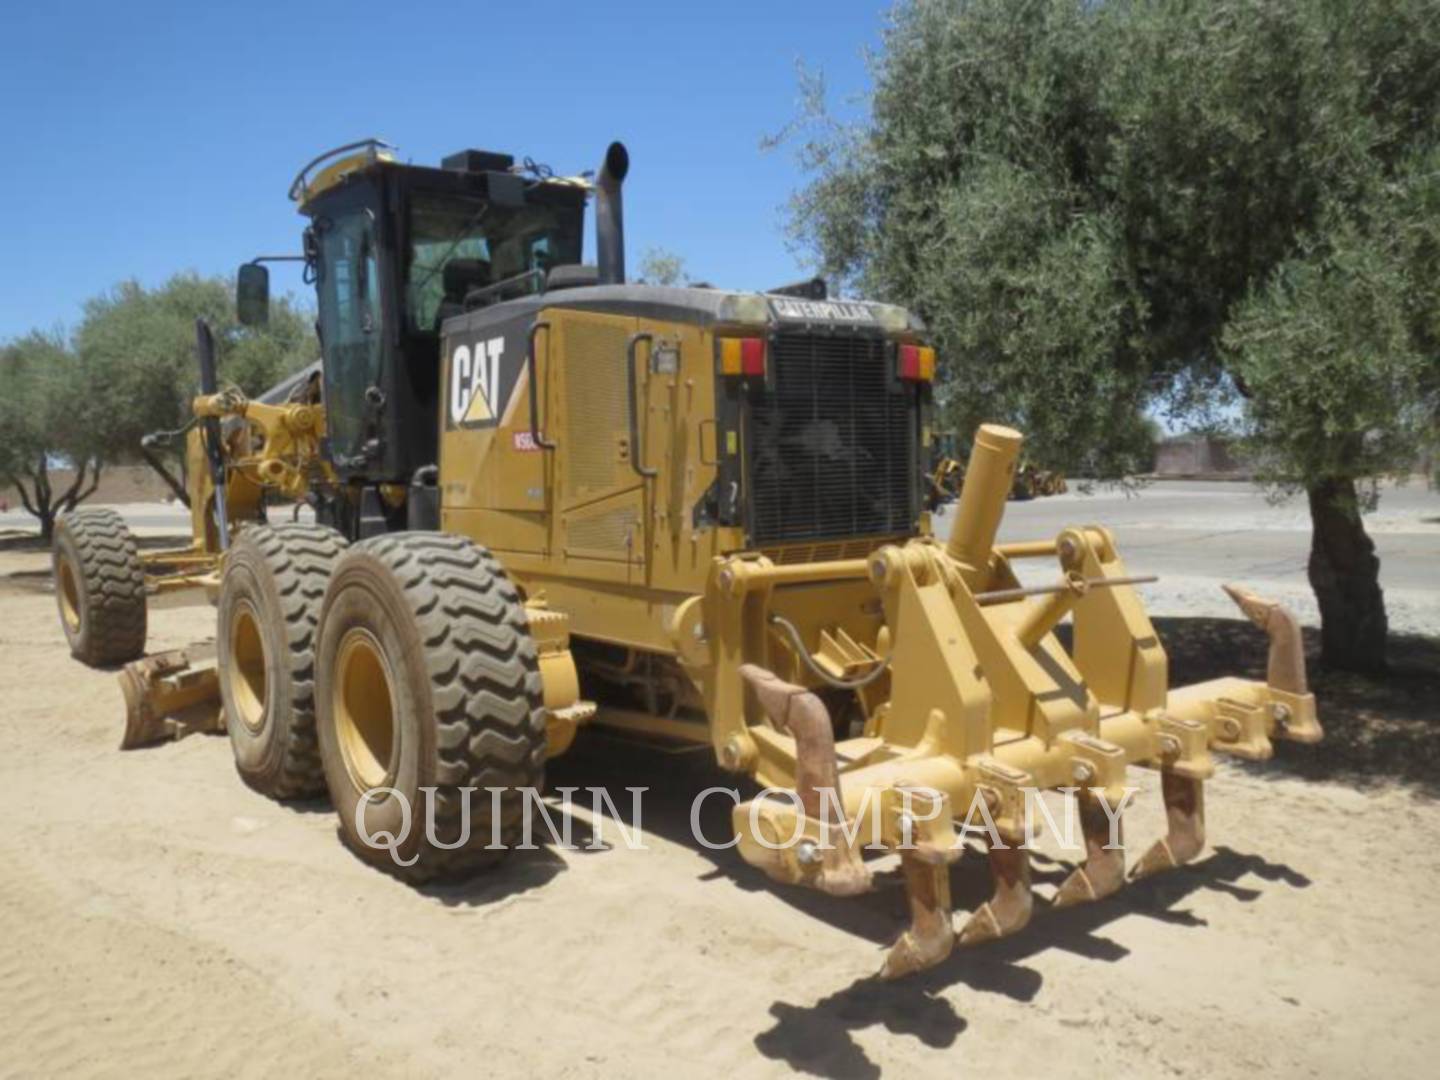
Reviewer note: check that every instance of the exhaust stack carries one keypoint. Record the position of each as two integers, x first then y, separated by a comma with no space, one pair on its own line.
610,215
988,478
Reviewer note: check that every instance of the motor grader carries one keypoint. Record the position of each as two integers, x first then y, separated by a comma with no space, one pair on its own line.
946,476
545,496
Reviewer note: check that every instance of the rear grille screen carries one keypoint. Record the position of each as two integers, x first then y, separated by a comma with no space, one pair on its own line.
831,448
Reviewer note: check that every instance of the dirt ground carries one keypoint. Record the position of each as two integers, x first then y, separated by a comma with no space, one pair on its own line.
158,917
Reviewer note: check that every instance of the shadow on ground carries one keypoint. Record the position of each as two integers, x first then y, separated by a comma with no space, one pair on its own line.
22,540
816,1036
1377,731
40,579
29,540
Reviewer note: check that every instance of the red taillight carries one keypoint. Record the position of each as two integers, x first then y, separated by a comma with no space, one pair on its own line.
752,356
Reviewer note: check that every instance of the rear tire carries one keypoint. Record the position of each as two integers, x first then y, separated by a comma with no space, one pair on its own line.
427,677
269,604
99,587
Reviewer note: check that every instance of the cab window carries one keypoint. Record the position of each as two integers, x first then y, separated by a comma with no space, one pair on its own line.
458,245
350,323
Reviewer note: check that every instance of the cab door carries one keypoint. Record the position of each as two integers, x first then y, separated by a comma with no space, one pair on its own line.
599,516
352,328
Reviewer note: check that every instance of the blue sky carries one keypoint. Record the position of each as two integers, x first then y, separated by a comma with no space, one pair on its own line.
142,139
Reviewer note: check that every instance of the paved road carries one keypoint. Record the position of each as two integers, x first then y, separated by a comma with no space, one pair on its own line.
1228,529
1197,534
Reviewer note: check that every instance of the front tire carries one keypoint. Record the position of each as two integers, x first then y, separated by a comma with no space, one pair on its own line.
269,604
99,587
427,677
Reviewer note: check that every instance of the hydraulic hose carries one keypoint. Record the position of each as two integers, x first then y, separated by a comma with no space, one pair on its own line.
798,645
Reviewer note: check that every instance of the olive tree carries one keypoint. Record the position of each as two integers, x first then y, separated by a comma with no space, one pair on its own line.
662,267
128,369
50,419
1217,209
143,342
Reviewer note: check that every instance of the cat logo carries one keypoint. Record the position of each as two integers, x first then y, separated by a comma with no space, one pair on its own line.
475,382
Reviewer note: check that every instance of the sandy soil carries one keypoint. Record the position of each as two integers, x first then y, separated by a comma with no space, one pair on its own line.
157,917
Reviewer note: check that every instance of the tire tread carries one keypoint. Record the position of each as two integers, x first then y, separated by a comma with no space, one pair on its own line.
299,558
485,686
114,618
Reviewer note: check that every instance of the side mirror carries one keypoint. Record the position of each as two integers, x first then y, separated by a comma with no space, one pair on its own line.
252,294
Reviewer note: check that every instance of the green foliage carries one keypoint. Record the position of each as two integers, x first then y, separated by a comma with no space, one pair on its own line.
1149,204
1328,353
47,414
129,369
140,344
661,267
42,403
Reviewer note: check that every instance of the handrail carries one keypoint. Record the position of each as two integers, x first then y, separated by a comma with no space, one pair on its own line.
298,186
535,436
636,455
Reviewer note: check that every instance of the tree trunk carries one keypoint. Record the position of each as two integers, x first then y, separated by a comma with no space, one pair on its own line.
1345,574
44,502
78,492
38,506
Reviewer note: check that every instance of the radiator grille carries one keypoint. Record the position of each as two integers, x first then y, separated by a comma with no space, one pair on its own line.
831,449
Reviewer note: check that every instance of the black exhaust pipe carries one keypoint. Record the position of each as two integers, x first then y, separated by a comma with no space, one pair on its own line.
610,215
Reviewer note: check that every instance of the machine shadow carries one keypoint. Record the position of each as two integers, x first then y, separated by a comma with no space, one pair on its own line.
23,540
674,779
29,540
817,1039
1378,731
523,869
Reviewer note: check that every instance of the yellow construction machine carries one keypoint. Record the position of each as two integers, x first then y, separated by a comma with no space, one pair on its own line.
946,477
1031,482
547,497
238,455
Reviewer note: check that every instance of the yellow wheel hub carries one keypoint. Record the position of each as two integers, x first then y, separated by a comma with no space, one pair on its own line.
247,663
69,595
364,708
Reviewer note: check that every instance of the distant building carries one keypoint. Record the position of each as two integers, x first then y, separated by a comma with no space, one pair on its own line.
1197,456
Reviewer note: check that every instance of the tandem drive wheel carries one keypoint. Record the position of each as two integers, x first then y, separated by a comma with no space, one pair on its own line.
269,603
428,684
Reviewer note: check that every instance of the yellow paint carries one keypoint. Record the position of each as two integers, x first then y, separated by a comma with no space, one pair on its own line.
730,353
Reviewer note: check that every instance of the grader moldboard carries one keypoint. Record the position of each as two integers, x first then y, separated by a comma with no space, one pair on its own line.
703,508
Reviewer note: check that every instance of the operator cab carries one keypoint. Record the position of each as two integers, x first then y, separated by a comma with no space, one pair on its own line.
393,251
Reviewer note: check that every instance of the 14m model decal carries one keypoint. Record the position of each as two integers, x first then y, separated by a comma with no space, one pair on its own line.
475,382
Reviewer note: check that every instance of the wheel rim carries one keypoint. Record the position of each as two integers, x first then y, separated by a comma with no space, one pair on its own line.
69,596
364,707
247,663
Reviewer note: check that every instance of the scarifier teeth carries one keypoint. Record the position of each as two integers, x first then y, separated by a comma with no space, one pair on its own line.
1285,665
1157,859
1103,871
931,936
1185,812
1008,910
1100,877
916,952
